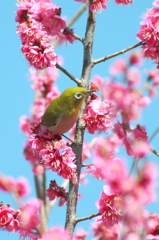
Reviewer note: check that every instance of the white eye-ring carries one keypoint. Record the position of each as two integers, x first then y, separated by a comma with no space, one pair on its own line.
78,95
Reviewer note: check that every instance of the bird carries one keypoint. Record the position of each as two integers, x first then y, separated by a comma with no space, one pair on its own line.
62,113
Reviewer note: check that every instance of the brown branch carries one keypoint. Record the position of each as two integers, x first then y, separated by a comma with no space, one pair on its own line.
77,15
76,80
73,34
87,165
79,134
87,217
154,151
118,53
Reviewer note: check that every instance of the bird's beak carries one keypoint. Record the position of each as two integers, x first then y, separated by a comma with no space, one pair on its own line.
90,91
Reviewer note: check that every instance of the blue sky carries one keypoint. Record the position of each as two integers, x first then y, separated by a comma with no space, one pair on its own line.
116,29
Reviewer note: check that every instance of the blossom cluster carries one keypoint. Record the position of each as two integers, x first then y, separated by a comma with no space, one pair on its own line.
54,191
26,222
40,22
98,5
116,199
19,187
98,116
23,221
47,153
148,33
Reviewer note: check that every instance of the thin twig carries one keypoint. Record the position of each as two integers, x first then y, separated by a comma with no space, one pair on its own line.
154,134
76,80
73,34
154,151
52,203
79,134
77,15
118,53
87,217
87,165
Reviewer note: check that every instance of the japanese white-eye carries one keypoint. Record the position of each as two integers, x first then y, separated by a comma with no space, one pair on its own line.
62,112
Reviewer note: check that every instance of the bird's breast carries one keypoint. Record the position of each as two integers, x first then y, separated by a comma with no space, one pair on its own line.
64,124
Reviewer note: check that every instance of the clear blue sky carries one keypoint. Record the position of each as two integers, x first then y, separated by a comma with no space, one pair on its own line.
115,30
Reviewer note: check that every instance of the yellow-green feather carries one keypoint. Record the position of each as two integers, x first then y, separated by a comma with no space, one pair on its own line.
65,104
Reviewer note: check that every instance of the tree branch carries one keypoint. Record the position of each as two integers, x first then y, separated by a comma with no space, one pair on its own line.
77,15
154,134
118,53
76,80
87,217
77,148
154,151
73,34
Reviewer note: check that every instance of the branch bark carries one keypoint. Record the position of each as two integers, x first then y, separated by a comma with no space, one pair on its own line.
77,148
87,217
118,53
73,34
76,80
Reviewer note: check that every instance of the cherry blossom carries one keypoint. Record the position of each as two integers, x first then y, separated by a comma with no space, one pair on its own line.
98,116
148,33
104,232
109,206
56,233
98,5
8,218
124,2
54,191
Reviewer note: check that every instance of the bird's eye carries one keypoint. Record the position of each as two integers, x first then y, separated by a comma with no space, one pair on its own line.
78,95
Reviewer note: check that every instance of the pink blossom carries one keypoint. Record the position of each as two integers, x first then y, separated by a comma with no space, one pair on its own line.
98,116
54,191
22,11
156,3
148,33
98,5
80,234
152,226
22,187
38,169
27,234
43,82
62,163
153,76
64,37
25,125
56,233
136,58
29,218
39,53
104,232
7,183
132,235
124,98
8,218
105,149
97,82
119,66
52,22
95,171
109,206
136,143
54,93
124,2
133,76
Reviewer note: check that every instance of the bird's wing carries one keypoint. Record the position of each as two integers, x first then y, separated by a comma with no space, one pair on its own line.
51,118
